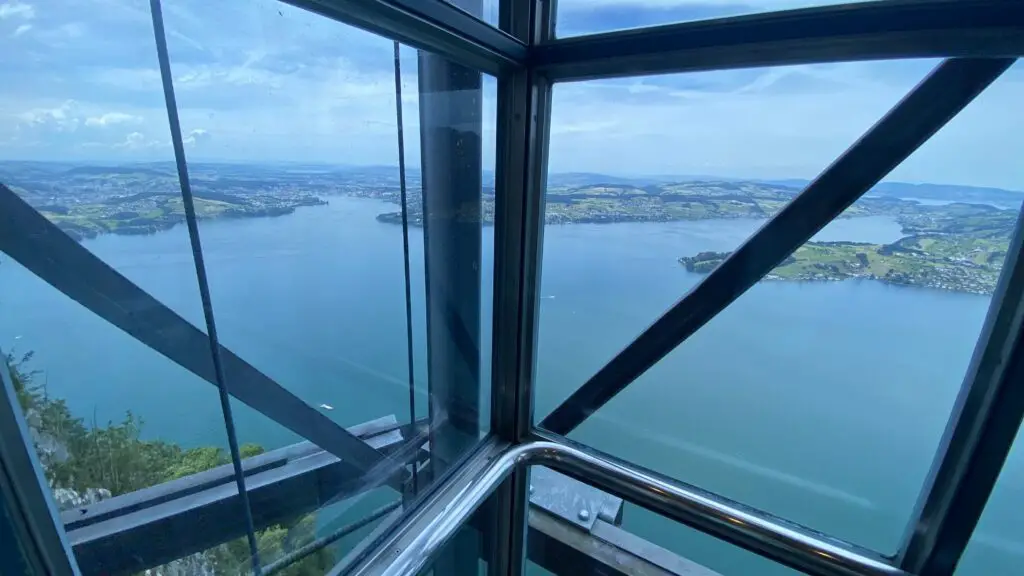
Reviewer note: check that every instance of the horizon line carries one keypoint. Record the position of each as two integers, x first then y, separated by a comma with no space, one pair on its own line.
660,176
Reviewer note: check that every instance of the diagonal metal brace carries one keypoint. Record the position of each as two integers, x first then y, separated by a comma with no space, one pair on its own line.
921,113
41,247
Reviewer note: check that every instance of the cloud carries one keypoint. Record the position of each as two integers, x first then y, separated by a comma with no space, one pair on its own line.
16,10
272,82
112,118
137,141
196,136
59,119
21,30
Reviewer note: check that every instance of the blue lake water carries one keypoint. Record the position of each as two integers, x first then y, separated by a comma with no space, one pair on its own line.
823,403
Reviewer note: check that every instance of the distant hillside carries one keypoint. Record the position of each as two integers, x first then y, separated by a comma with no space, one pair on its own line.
937,192
948,192
108,170
323,178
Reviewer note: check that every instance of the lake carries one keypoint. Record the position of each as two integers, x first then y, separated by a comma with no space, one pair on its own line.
823,402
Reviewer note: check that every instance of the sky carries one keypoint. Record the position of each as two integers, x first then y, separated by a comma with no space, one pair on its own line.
259,81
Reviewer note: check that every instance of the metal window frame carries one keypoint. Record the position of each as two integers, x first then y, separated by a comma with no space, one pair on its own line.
431,25
981,430
886,29
524,119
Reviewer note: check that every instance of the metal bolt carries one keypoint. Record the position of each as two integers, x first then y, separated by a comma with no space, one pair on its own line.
584,514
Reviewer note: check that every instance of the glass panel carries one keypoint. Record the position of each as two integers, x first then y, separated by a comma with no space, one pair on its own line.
85,143
486,10
821,402
629,193
310,287
289,122
997,545
468,552
576,17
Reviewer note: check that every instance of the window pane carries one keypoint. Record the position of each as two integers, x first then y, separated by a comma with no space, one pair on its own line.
486,10
289,126
576,17
468,553
821,394
84,142
997,545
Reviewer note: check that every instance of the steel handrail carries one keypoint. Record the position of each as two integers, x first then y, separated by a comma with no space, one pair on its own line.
753,530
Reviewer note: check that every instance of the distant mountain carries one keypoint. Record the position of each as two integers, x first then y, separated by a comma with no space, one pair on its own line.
937,192
948,192
107,170
223,175
576,179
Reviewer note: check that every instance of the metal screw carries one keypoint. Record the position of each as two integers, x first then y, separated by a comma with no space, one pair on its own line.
584,514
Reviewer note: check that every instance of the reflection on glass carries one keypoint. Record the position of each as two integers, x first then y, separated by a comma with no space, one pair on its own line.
576,17
822,393
997,544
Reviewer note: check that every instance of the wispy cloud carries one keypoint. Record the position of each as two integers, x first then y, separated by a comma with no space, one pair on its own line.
21,30
16,10
111,119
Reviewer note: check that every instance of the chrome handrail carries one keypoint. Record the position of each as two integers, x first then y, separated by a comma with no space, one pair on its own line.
411,549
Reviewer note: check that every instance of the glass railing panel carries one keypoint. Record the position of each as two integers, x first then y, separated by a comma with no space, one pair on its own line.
829,363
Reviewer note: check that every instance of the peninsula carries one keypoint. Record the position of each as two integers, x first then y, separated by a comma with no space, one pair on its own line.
958,247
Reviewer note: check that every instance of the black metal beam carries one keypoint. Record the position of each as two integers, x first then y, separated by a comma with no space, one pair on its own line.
861,31
432,25
928,107
151,527
980,433
46,251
